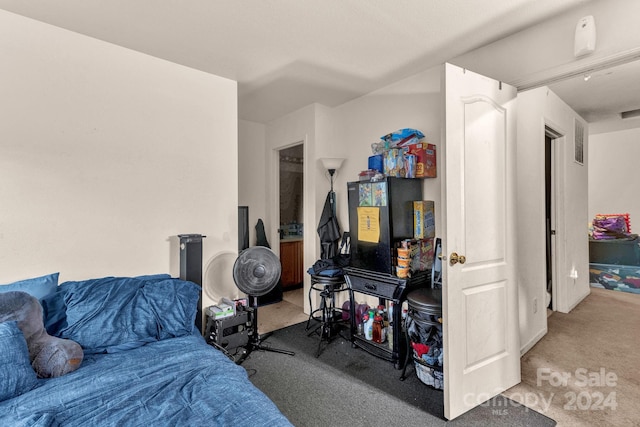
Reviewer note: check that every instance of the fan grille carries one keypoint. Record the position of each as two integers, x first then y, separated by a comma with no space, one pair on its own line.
256,271
218,277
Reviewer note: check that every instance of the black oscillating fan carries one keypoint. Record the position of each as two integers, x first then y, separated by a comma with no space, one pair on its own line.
256,272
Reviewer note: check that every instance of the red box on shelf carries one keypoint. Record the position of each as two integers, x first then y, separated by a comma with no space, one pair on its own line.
425,159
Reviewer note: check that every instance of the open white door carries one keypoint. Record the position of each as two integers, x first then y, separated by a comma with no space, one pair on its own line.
480,301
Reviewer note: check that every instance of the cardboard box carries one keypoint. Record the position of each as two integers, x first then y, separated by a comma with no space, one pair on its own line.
224,308
220,311
425,159
394,163
424,220
426,251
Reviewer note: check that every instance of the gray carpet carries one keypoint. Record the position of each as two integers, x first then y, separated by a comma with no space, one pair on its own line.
347,386
600,337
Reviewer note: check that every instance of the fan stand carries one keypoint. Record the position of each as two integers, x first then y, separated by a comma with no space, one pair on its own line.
255,339
256,272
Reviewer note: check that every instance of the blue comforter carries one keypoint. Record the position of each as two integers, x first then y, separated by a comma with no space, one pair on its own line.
174,382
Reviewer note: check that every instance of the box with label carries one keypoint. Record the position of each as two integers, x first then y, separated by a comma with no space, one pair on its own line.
394,163
425,159
424,220
426,253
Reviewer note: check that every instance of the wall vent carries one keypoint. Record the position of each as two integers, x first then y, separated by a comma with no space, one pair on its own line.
630,114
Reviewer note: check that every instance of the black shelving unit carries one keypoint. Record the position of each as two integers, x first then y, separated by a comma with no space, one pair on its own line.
385,287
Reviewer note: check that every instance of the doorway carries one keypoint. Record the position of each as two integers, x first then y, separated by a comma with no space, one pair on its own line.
291,222
290,233
549,160
291,190
552,140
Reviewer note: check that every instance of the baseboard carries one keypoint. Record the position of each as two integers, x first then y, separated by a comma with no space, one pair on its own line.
579,300
533,341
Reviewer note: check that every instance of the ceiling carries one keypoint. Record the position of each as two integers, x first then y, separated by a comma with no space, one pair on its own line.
602,95
286,54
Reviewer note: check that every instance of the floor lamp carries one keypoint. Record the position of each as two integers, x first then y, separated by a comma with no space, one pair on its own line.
332,164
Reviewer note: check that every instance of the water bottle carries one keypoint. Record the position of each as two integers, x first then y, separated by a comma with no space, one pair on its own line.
368,327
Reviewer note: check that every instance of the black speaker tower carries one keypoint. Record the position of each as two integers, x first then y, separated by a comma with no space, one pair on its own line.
243,228
191,266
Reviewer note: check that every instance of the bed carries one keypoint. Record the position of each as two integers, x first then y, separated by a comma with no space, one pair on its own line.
144,362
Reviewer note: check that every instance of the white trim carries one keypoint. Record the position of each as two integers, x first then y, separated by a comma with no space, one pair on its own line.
533,341
579,299
559,287
274,225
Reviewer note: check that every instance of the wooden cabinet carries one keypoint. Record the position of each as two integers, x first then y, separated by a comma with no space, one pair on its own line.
291,257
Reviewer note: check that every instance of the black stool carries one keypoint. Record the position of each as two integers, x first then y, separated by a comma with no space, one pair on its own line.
328,315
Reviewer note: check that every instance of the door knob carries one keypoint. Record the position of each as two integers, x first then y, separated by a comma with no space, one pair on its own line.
454,258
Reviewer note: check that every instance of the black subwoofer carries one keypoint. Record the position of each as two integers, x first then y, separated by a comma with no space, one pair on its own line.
191,265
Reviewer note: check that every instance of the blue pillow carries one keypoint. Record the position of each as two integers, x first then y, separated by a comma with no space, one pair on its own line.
15,368
160,276
174,303
54,308
39,287
113,314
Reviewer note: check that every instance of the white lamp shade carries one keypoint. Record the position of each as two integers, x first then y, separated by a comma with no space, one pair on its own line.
332,162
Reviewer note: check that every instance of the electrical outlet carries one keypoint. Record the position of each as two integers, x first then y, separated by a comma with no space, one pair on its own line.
535,305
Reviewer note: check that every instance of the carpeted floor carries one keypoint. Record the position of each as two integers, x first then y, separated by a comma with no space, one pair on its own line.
346,386
584,372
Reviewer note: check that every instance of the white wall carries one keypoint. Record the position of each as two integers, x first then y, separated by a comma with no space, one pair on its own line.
106,155
614,174
414,102
295,128
537,108
251,172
